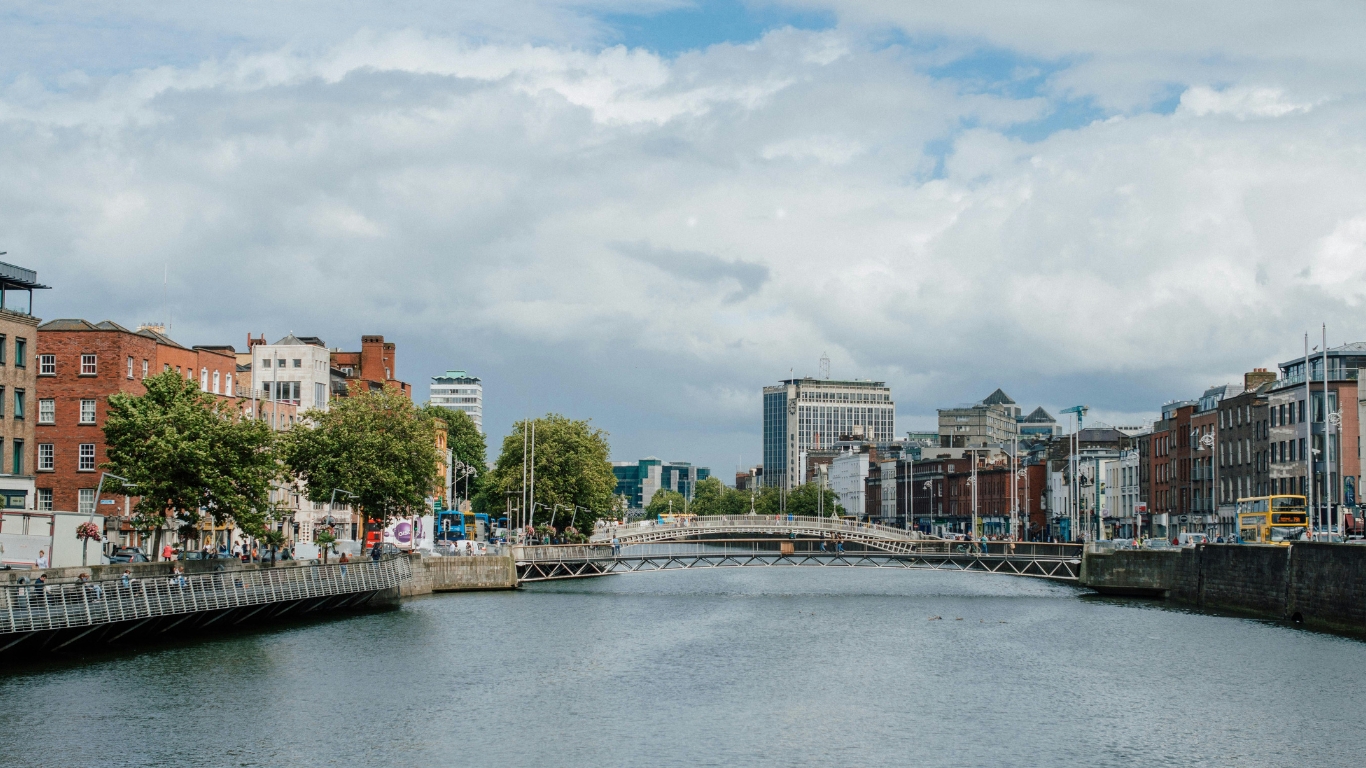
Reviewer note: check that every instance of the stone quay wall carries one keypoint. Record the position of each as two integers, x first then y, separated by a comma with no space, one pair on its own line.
1322,585
460,574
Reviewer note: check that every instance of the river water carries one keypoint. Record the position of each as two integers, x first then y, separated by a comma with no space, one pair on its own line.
740,667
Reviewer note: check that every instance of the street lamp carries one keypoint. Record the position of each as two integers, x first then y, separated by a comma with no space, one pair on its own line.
98,489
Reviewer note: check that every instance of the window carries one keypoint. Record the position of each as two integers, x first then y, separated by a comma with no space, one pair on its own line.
298,362
47,411
87,501
2,349
319,394
19,403
203,379
87,411
215,382
44,499
227,385
130,366
18,457
144,369
86,458
47,365
20,353
47,459
87,365
265,362
2,401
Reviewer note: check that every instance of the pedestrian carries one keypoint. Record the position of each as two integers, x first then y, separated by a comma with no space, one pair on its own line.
40,562
616,545
127,578
375,552
167,552
343,561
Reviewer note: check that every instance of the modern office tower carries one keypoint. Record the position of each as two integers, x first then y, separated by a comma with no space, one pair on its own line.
813,414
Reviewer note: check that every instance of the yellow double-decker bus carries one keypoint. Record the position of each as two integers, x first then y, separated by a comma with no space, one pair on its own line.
1272,520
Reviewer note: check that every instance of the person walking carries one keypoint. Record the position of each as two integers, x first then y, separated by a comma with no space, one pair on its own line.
616,546
343,561
40,562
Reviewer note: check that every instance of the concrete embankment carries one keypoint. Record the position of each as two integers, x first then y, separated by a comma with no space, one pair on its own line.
460,574
1322,585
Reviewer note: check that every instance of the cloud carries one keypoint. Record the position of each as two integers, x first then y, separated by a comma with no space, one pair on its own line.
1241,103
648,240
701,268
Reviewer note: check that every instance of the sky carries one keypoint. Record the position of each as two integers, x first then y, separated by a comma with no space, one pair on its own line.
640,212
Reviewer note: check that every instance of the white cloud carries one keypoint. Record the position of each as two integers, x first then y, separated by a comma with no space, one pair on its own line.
649,240
1242,102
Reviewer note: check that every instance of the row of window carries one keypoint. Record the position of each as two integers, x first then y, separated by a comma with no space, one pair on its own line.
20,403
47,457
47,411
208,381
20,351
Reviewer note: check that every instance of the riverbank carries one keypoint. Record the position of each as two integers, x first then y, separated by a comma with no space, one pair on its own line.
1320,585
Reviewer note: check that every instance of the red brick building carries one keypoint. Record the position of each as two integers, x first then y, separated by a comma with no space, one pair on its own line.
80,364
373,367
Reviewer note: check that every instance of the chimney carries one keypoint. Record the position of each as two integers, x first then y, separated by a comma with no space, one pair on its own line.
1257,377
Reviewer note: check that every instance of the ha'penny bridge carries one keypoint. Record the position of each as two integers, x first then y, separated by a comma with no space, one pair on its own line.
787,541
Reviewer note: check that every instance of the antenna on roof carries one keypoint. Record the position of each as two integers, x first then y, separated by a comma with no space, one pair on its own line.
825,366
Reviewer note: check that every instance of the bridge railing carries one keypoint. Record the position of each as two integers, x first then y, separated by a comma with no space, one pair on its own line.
776,522
33,607
579,552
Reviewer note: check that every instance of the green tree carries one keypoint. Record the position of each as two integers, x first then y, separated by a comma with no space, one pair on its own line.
665,502
572,470
804,500
376,445
190,453
712,497
465,442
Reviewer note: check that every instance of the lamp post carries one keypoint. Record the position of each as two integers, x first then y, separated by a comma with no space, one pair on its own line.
98,489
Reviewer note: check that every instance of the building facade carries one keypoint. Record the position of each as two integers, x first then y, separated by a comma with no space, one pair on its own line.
18,390
459,391
293,371
1244,453
80,364
374,367
805,414
639,481
993,421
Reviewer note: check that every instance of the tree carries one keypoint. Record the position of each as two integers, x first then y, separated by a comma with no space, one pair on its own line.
465,442
324,538
712,497
804,500
189,453
665,502
376,445
572,471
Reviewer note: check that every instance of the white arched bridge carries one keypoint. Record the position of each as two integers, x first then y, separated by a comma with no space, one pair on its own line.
775,541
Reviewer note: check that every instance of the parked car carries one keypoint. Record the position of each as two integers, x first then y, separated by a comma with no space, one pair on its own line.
128,555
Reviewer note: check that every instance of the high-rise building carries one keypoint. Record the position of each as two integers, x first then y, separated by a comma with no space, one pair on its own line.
639,481
812,414
460,391
993,421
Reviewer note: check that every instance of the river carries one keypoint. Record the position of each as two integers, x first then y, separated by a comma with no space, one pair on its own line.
742,667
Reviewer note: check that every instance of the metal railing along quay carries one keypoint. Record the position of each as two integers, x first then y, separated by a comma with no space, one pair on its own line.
777,523
28,608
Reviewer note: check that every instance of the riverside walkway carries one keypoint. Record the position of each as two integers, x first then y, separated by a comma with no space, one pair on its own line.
38,618
1059,562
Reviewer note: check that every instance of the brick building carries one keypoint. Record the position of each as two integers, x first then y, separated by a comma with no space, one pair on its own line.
80,364
1244,452
18,387
373,367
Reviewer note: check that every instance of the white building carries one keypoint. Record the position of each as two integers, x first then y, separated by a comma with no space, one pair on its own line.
848,473
292,370
459,391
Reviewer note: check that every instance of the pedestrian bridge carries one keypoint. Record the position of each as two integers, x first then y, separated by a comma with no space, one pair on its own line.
58,615
1060,562
720,526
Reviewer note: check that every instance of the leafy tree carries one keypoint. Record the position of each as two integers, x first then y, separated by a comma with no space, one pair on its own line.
572,470
712,497
804,499
664,502
189,452
465,442
274,539
377,445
